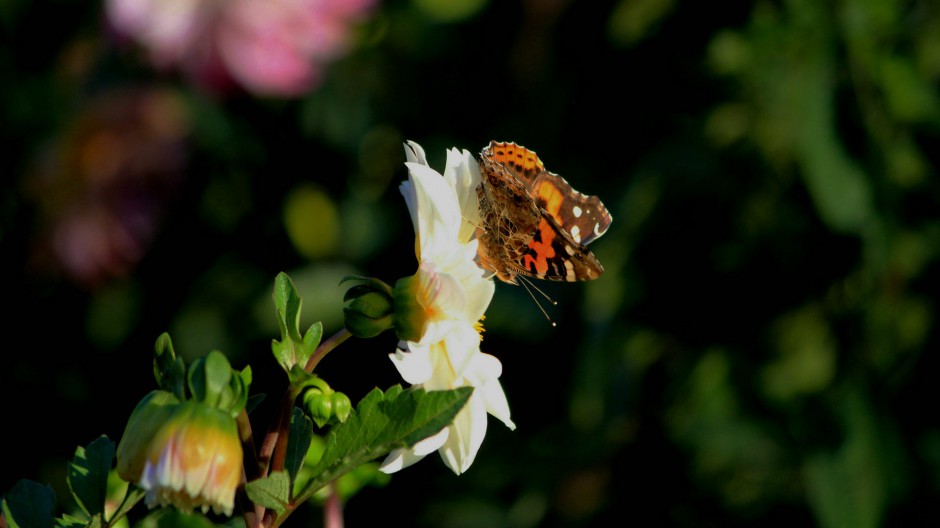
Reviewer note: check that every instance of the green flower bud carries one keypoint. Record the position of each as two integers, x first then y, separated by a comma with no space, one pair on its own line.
341,406
369,308
319,405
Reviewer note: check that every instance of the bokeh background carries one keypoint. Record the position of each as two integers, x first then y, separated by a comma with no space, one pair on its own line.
760,351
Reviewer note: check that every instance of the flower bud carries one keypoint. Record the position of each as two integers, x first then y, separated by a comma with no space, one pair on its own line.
194,460
319,405
369,309
341,406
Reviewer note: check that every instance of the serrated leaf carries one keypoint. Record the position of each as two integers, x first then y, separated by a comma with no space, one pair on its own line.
383,422
70,521
88,474
272,492
29,504
301,433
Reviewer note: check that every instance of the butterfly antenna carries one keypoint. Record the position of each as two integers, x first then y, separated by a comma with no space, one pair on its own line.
529,286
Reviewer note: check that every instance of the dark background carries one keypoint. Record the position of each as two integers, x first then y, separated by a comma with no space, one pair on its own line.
761,348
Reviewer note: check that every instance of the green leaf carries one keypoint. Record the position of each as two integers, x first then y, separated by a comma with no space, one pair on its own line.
301,433
311,342
88,474
29,504
287,303
272,492
133,496
209,377
169,370
292,349
68,521
382,422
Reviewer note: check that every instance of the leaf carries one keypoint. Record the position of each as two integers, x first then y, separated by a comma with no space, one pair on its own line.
272,492
292,349
301,433
287,303
168,370
382,422
88,474
29,504
133,496
68,521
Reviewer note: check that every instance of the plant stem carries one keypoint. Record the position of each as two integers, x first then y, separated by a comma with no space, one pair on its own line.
325,347
273,450
333,509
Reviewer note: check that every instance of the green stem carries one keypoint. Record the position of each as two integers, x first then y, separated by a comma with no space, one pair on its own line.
273,449
325,347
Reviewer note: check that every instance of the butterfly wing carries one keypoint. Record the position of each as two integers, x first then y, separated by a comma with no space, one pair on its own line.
583,216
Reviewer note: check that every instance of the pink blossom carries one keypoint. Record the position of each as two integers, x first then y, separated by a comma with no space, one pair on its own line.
269,47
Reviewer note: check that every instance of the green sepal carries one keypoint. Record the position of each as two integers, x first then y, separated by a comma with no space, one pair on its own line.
301,434
411,321
169,370
292,349
272,492
29,504
383,422
148,416
212,381
88,474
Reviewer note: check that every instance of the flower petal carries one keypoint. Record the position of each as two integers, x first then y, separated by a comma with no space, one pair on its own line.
402,458
414,153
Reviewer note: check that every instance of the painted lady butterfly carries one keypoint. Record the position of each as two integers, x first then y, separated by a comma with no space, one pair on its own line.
533,223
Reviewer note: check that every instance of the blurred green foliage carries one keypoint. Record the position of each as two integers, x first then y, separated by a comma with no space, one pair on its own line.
760,349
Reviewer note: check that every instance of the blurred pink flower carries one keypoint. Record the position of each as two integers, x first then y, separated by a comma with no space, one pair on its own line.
269,47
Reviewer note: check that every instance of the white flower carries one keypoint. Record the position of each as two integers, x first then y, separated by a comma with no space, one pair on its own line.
454,293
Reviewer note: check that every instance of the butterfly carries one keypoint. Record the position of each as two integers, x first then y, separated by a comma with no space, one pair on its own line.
533,223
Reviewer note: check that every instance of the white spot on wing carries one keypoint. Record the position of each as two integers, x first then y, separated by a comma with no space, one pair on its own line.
576,233
577,211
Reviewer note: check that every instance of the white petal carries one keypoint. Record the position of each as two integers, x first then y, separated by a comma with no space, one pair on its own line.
398,459
483,374
431,443
462,172
414,153
462,345
413,362
467,432
496,404
402,458
438,215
